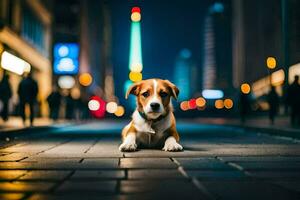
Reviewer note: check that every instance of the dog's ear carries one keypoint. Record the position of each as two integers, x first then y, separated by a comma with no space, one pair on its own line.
133,89
174,90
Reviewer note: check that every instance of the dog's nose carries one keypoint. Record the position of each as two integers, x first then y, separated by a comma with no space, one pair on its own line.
154,106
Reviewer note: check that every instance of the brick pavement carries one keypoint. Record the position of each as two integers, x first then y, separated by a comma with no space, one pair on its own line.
245,166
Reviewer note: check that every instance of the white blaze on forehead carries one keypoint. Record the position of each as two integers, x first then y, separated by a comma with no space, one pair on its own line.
154,86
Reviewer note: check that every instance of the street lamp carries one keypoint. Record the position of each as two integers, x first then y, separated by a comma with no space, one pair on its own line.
271,64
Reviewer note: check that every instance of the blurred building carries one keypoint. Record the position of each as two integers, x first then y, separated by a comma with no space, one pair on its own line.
25,32
273,31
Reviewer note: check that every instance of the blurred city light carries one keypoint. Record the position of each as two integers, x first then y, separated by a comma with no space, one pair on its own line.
200,102
97,106
135,55
111,107
75,93
192,104
271,62
136,9
217,7
245,88
66,58
136,67
213,94
120,111
85,79
14,64
184,105
66,82
135,76
219,104
228,103
94,105
136,17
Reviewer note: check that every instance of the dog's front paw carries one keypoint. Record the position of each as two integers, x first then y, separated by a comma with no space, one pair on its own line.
172,145
125,146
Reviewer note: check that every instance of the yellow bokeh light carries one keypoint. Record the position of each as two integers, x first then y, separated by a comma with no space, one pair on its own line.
135,76
228,103
85,79
271,62
120,111
111,107
75,93
245,88
219,104
136,17
200,102
184,105
137,67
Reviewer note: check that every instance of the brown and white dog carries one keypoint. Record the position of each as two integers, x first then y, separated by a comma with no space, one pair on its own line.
153,123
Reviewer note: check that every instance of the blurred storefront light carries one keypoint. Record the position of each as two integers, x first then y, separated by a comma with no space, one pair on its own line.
271,62
66,82
75,93
212,94
136,17
245,88
228,103
219,104
120,111
14,64
97,106
111,107
293,71
93,105
192,104
85,79
184,105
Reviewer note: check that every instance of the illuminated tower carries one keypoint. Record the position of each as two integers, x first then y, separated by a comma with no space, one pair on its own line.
135,52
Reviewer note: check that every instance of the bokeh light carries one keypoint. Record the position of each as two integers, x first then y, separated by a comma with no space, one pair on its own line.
192,104
75,93
136,67
94,105
66,82
111,107
135,76
136,17
120,111
245,88
219,104
97,107
271,62
200,102
85,79
135,9
228,103
184,105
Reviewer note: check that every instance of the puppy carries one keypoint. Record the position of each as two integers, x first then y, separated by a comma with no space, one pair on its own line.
153,123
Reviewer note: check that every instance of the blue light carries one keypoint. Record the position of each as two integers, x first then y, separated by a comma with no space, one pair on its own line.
217,8
66,58
212,94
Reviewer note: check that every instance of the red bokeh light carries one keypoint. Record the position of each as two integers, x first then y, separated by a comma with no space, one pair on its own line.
192,104
100,113
136,9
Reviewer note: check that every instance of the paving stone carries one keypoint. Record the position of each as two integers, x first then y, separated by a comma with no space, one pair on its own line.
45,175
21,186
269,165
99,174
247,190
101,163
13,157
275,174
261,158
203,163
147,163
154,174
291,185
88,186
217,175
11,174
162,189
12,196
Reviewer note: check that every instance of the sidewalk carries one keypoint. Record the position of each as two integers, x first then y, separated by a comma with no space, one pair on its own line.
15,123
281,127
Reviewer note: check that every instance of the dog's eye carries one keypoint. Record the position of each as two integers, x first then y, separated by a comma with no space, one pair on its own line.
145,94
163,94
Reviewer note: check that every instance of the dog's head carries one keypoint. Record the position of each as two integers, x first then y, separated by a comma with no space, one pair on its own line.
153,96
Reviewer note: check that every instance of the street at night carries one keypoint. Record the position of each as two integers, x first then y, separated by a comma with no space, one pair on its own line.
160,99
83,162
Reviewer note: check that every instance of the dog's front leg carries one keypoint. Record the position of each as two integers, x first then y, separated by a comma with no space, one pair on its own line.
171,143
129,143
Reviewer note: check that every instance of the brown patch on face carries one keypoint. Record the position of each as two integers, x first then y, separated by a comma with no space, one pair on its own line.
145,94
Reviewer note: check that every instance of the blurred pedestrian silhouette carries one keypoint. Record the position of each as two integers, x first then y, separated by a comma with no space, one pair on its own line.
273,100
54,100
70,106
5,95
293,100
244,106
27,91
